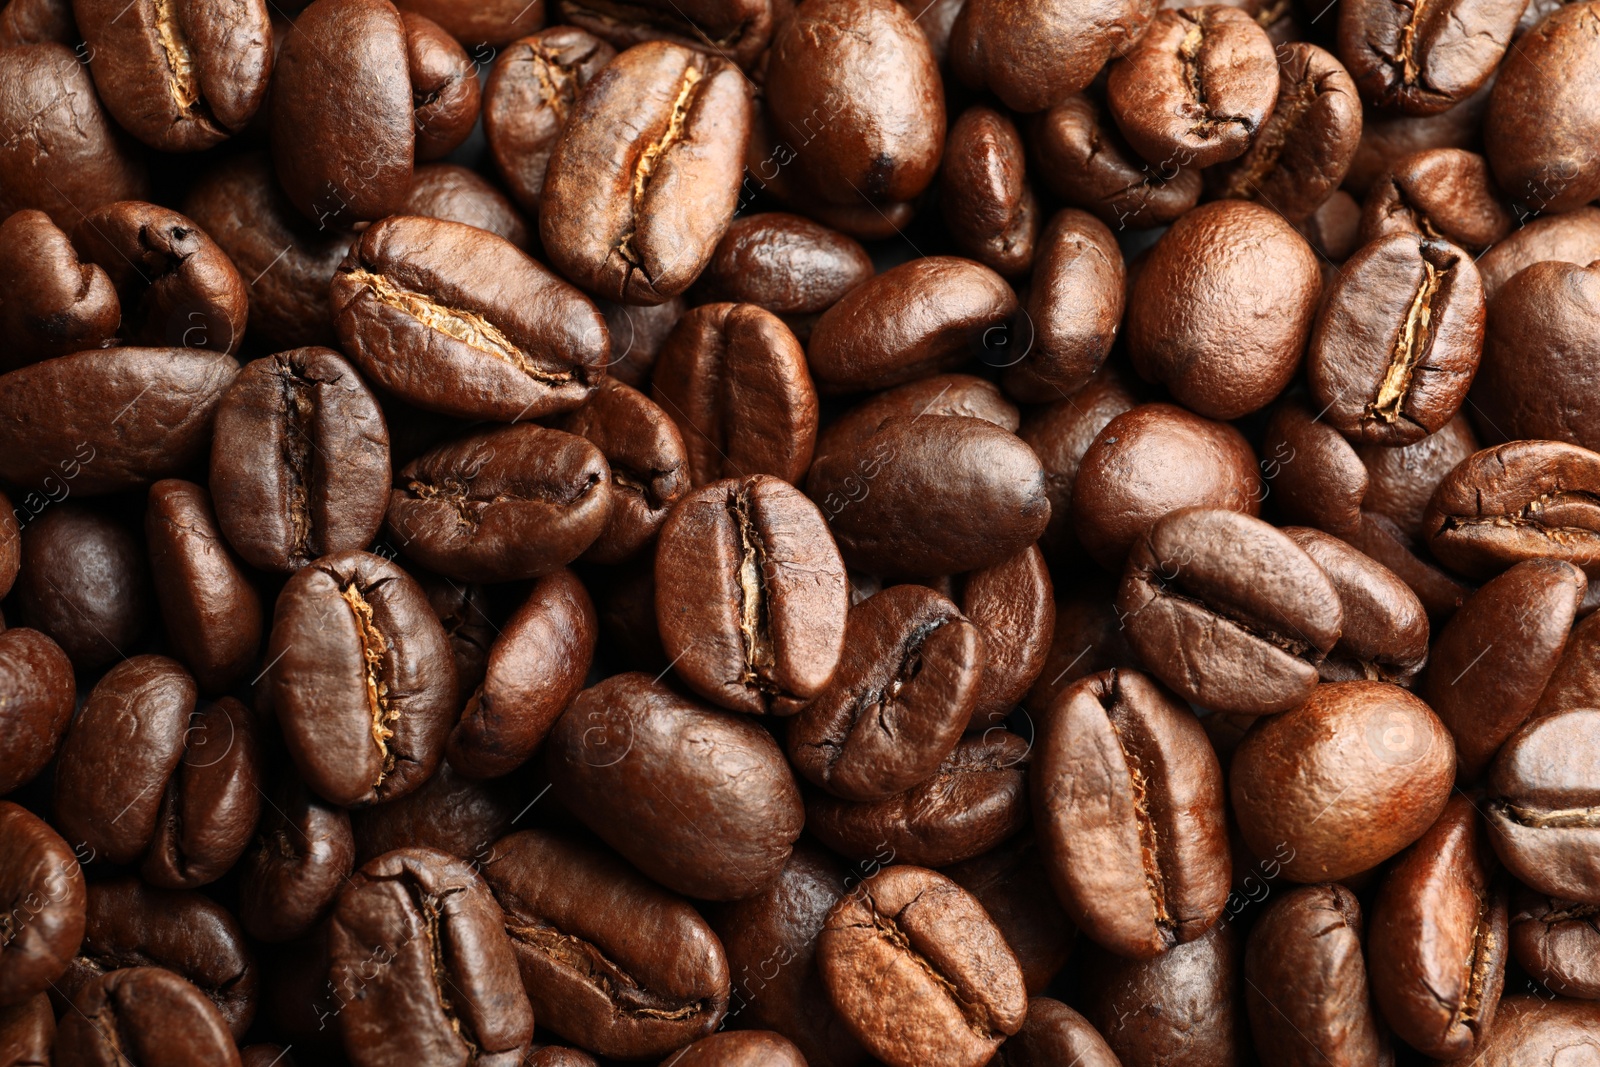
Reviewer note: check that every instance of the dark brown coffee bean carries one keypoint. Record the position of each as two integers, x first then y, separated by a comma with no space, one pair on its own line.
469,622
110,419
1437,947
444,87
84,584
1401,481
1575,682
1306,983
143,1015
61,153
1382,539
536,666
735,811
1387,138
734,379
1315,476
1397,340
988,205
1423,61
1239,357
1551,71
918,971
942,394
927,315
1089,638
342,112
739,1048
1333,229
1344,781
1013,606
456,194
495,23
610,960
42,892
1442,192
1087,163
300,461
1570,237
28,1029
637,334
1544,810
302,857
180,77
1197,87
1384,634
450,813
975,799
1054,1034
1557,942
1032,59
737,30
751,595
1074,308
212,613
1304,150
794,267
1128,801
1540,1031
1059,434
37,695
265,1055
56,303
419,951
212,801
362,680
458,321
1515,502
529,98
37,22
1010,883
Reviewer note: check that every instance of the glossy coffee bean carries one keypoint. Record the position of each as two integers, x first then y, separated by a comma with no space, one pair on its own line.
42,890
458,321
1383,539
1060,434
1346,780
637,334
1384,634
1089,638
149,1012
1128,801
492,22
450,813
1557,942
1011,883
740,1048
362,680
444,87
37,21
456,194
1054,1033
536,666
1541,1032
37,694
1262,296
751,595
1032,58
1013,606
988,205
942,394
83,583
1422,62
302,856
1575,682
1334,228
1542,814
737,30
57,302
610,960
1570,237
735,810
1229,611
644,181
1443,192
1401,481
918,972
300,465
449,990
1437,946
794,267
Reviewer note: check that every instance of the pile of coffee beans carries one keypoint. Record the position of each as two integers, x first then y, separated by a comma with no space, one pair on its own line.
916,533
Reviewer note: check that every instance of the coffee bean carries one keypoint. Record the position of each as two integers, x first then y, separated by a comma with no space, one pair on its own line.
1539,1030
143,1014
1060,434
43,895
1388,137
1054,1033
743,1048
1574,683
987,203
1424,61
1381,538
456,194
1402,480
1443,192
1333,229
444,87
1031,61
28,1030
83,583
36,703
1544,814
942,394
302,857
1089,638
58,303
735,29
494,23
795,268
1013,606
1384,636
1316,476
37,22
1570,237
1557,942
1010,883
450,813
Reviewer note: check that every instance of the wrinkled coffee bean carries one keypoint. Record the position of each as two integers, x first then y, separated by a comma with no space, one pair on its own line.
57,303
42,890
1557,942
1544,813
987,203
456,194
734,29
1446,193
1031,59
1011,883
302,856
143,1015
1384,636
1423,60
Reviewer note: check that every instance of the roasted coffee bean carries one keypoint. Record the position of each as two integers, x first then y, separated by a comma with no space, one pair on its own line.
1401,481
637,334
1333,229
1128,801
1315,475
1344,781
42,891
1388,137
1575,682
61,153
180,77
265,1056
559,1056
302,857
28,1030
794,267
481,22
1446,193
456,194
362,680
1060,434
36,702
1381,538
751,595
110,419
1261,297
143,1015
451,813
1010,882
1089,638
83,583
447,988
942,394
1482,685
734,379
444,87
1306,982
530,96
892,508
1421,62
1303,151
1570,237
1544,810
10,547
1013,606
1053,1034
738,1048
536,666
1541,1031
988,204
1197,88
469,622
37,22
735,811
974,799
1031,59
735,29
300,467
610,960
645,179
212,612
904,691
1087,163
342,121
1557,942
56,303
1437,947
1551,71
456,320
1397,340
923,316
1384,635
918,972
1074,309
212,801
1516,502
854,83
1229,611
